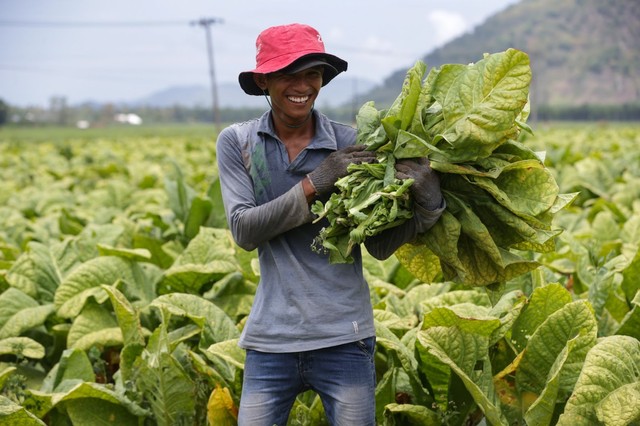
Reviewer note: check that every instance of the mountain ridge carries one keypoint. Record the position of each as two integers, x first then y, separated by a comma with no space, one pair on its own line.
341,91
582,52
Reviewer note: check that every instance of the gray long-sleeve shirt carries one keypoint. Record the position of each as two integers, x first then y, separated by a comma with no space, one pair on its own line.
302,302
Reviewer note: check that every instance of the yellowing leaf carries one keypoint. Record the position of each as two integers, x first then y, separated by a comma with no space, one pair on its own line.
221,410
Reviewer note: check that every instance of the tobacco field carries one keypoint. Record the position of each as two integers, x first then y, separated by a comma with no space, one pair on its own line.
122,294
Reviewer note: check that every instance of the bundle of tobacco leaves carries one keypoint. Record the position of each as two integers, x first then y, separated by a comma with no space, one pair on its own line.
466,119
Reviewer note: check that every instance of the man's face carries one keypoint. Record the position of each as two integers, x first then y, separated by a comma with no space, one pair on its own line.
293,95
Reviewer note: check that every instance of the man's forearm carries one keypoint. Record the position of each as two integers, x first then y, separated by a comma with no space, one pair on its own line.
250,227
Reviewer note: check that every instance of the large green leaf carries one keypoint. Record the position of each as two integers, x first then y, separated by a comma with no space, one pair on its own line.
507,309
12,414
127,316
512,230
139,255
542,410
575,320
481,102
473,230
226,359
84,247
400,113
22,347
467,317
631,274
5,373
408,414
74,366
179,192
74,393
526,188
35,272
421,261
99,412
398,325
620,407
630,324
19,312
233,294
543,302
462,352
417,300
86,280
167,386
208,257
608,388
215,324
591,173
217,217
469,259
369,129
95,325
409,96
161,253
404,353
198,216
229,351
456,297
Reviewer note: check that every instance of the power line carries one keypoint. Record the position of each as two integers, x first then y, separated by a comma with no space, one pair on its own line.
90,24
121,24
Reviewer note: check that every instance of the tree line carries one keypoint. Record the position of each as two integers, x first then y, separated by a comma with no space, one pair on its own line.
60,113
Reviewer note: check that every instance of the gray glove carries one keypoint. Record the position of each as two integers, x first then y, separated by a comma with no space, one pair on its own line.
426,186
335,166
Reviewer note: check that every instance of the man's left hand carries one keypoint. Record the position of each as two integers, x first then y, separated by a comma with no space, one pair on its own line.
426,186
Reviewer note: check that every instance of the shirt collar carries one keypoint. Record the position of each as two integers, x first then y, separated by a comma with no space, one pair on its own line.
324,137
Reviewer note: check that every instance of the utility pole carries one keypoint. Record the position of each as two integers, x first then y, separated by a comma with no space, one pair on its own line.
206,24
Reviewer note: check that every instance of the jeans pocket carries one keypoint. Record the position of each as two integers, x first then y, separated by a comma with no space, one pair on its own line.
368,346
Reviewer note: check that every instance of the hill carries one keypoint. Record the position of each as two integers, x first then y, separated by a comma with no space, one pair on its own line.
582,52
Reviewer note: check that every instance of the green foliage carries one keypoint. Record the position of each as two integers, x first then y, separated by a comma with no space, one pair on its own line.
110,313
613,400
500,198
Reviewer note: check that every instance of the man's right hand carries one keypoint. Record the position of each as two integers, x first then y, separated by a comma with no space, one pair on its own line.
335,165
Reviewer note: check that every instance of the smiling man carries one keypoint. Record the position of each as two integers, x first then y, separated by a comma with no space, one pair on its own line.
311,324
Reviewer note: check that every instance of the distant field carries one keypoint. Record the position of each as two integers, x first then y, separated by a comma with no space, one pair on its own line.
57,134
205,130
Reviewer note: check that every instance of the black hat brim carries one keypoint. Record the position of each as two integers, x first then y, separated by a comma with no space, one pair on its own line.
332,67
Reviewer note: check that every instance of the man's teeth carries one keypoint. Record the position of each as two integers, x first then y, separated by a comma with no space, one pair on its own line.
298,99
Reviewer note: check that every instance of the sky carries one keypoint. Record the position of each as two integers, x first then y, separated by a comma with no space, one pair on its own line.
123,50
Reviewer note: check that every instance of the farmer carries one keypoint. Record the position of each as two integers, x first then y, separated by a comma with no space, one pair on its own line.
311,324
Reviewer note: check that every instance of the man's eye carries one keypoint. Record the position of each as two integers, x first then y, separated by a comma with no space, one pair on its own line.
281,77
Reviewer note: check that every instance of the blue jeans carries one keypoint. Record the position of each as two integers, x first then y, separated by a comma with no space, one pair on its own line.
343,376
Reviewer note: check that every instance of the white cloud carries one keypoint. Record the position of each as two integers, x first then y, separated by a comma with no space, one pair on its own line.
446,25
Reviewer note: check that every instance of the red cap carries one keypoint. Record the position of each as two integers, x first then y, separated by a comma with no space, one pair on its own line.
296,45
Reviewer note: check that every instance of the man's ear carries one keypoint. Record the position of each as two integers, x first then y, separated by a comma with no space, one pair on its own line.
260,80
